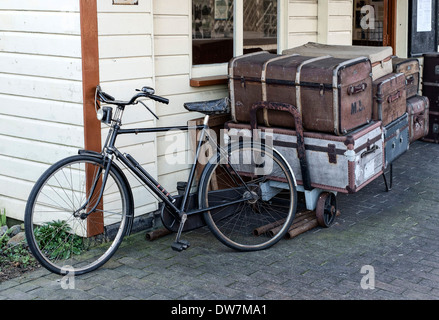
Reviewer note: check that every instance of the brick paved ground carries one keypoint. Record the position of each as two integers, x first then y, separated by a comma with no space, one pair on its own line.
396,233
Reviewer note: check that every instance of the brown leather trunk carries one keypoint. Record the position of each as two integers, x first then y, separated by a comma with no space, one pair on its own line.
389,98
333,95
410,68
417,109
430,81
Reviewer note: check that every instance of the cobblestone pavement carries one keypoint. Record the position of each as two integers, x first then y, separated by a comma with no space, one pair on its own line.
395,233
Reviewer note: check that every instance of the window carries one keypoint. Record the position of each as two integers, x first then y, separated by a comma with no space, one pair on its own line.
368,22
260,25
215,32
374,23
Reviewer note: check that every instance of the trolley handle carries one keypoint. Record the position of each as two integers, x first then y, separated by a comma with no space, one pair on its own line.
306,178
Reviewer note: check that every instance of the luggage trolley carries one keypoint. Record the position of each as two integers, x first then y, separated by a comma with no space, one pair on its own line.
329,164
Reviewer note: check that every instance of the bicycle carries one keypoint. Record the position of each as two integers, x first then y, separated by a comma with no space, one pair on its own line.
80,209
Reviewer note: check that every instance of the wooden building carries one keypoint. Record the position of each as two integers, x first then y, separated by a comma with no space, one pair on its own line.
53,53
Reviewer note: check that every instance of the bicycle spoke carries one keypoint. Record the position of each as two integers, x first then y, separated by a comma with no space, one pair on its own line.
58,233
235,225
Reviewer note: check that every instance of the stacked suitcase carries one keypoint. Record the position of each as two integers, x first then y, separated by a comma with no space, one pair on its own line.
353,108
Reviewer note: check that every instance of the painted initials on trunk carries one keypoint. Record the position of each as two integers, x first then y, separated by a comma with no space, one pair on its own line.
355,109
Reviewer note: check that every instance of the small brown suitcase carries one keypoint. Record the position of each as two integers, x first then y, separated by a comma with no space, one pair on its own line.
430,79
417,109
389,98
333,95
410,68
433,131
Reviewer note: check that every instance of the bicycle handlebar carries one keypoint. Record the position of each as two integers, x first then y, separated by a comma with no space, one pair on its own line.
145,92
159,99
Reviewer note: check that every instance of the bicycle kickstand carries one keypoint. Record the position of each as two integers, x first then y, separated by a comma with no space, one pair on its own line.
179,244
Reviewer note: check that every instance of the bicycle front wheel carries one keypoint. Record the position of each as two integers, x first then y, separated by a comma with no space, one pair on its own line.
259,188
61,237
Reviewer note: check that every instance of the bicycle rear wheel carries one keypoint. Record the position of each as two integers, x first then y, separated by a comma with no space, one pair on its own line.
260,188
61,238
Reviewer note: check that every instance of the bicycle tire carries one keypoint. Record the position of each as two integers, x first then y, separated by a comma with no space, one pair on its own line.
59,238
260,222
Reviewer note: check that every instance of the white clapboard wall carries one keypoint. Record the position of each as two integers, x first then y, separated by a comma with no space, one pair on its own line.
327,21
172,62
126,63
40,93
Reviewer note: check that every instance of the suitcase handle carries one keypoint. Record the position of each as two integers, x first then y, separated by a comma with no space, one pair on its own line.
393,98
371,150
279,107
356,89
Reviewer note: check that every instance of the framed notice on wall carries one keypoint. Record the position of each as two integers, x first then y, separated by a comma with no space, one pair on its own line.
423,27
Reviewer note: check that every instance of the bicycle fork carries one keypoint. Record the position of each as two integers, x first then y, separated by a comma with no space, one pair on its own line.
95,183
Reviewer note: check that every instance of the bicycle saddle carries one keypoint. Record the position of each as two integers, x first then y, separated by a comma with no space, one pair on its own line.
218,106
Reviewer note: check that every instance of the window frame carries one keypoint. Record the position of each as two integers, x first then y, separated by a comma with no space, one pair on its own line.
220,69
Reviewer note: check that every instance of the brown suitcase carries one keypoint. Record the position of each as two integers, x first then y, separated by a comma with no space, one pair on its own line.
410,68
389,98
433,124
333,95
417,109
430,81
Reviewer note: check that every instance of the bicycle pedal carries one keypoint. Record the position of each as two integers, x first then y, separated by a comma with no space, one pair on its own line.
185,243
180,245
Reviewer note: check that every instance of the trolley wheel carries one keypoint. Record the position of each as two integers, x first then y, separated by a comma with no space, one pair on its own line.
326,209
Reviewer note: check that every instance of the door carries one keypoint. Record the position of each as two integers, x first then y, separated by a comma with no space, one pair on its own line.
389,24
423,27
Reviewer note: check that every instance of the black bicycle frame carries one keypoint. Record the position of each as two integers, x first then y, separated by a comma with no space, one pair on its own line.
143,175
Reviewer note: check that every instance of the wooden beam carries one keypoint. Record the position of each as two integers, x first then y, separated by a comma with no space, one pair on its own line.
90,72
90,79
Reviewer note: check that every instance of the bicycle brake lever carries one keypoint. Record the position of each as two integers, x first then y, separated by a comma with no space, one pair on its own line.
149,109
